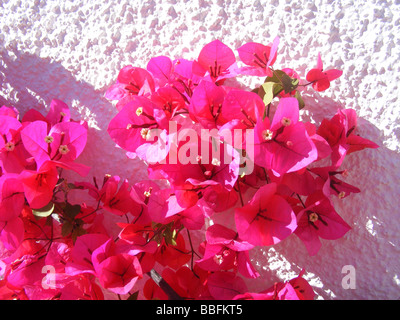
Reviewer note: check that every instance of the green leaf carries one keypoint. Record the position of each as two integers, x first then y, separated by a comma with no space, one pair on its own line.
66,228
268,88
288,84
271,90
133,296
300,100
46,211
72,210
78,231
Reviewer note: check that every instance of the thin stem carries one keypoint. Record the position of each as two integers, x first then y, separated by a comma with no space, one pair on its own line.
240,193
302,203
193,252
172,295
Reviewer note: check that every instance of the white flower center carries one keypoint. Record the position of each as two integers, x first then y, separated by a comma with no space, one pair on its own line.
63,149
267,134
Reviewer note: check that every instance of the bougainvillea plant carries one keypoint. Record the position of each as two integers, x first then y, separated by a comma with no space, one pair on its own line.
229,170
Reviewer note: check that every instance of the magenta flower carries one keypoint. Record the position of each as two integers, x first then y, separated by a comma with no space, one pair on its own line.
225,251
168,100
284,145
11,196
240,109
64,142
206,104
13,155
339,133
12,233
200,172
321,79
131,127
131,82
319,220
59,112
117,271
39,185
266,219
225,285
258,57
161,69
216,59
329,183
295,289
187,75
81,254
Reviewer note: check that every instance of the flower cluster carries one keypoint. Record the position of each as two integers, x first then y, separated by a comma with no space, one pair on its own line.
241,170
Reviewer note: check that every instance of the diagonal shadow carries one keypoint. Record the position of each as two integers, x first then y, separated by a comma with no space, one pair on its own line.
29,81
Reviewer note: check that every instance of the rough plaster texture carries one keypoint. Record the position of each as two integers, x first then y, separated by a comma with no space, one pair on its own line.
73,50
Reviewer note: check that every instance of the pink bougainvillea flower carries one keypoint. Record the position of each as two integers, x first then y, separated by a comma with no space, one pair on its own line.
225,251
69,141
242,107
301,181
133,240
131,82
339,133
219,234
319,220
216,58
168,100
59,112
132,127
12,233
206,104
161,68
82,287
329,183
225,285
9,111
259,57
218,198
284,145
173,256
187,75
163,206
196,166
295,289
266,219
26,271
303,289
323,148
117,272
184,282
81,254
321,78
39,185
13,155
12,199
117,199
64,142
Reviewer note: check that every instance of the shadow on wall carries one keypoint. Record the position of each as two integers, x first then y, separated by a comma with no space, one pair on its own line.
372,246
35,81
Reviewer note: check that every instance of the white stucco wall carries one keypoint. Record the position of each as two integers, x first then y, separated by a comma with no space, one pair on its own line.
73,50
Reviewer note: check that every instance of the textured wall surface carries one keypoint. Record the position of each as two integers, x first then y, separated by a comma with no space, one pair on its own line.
73,50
